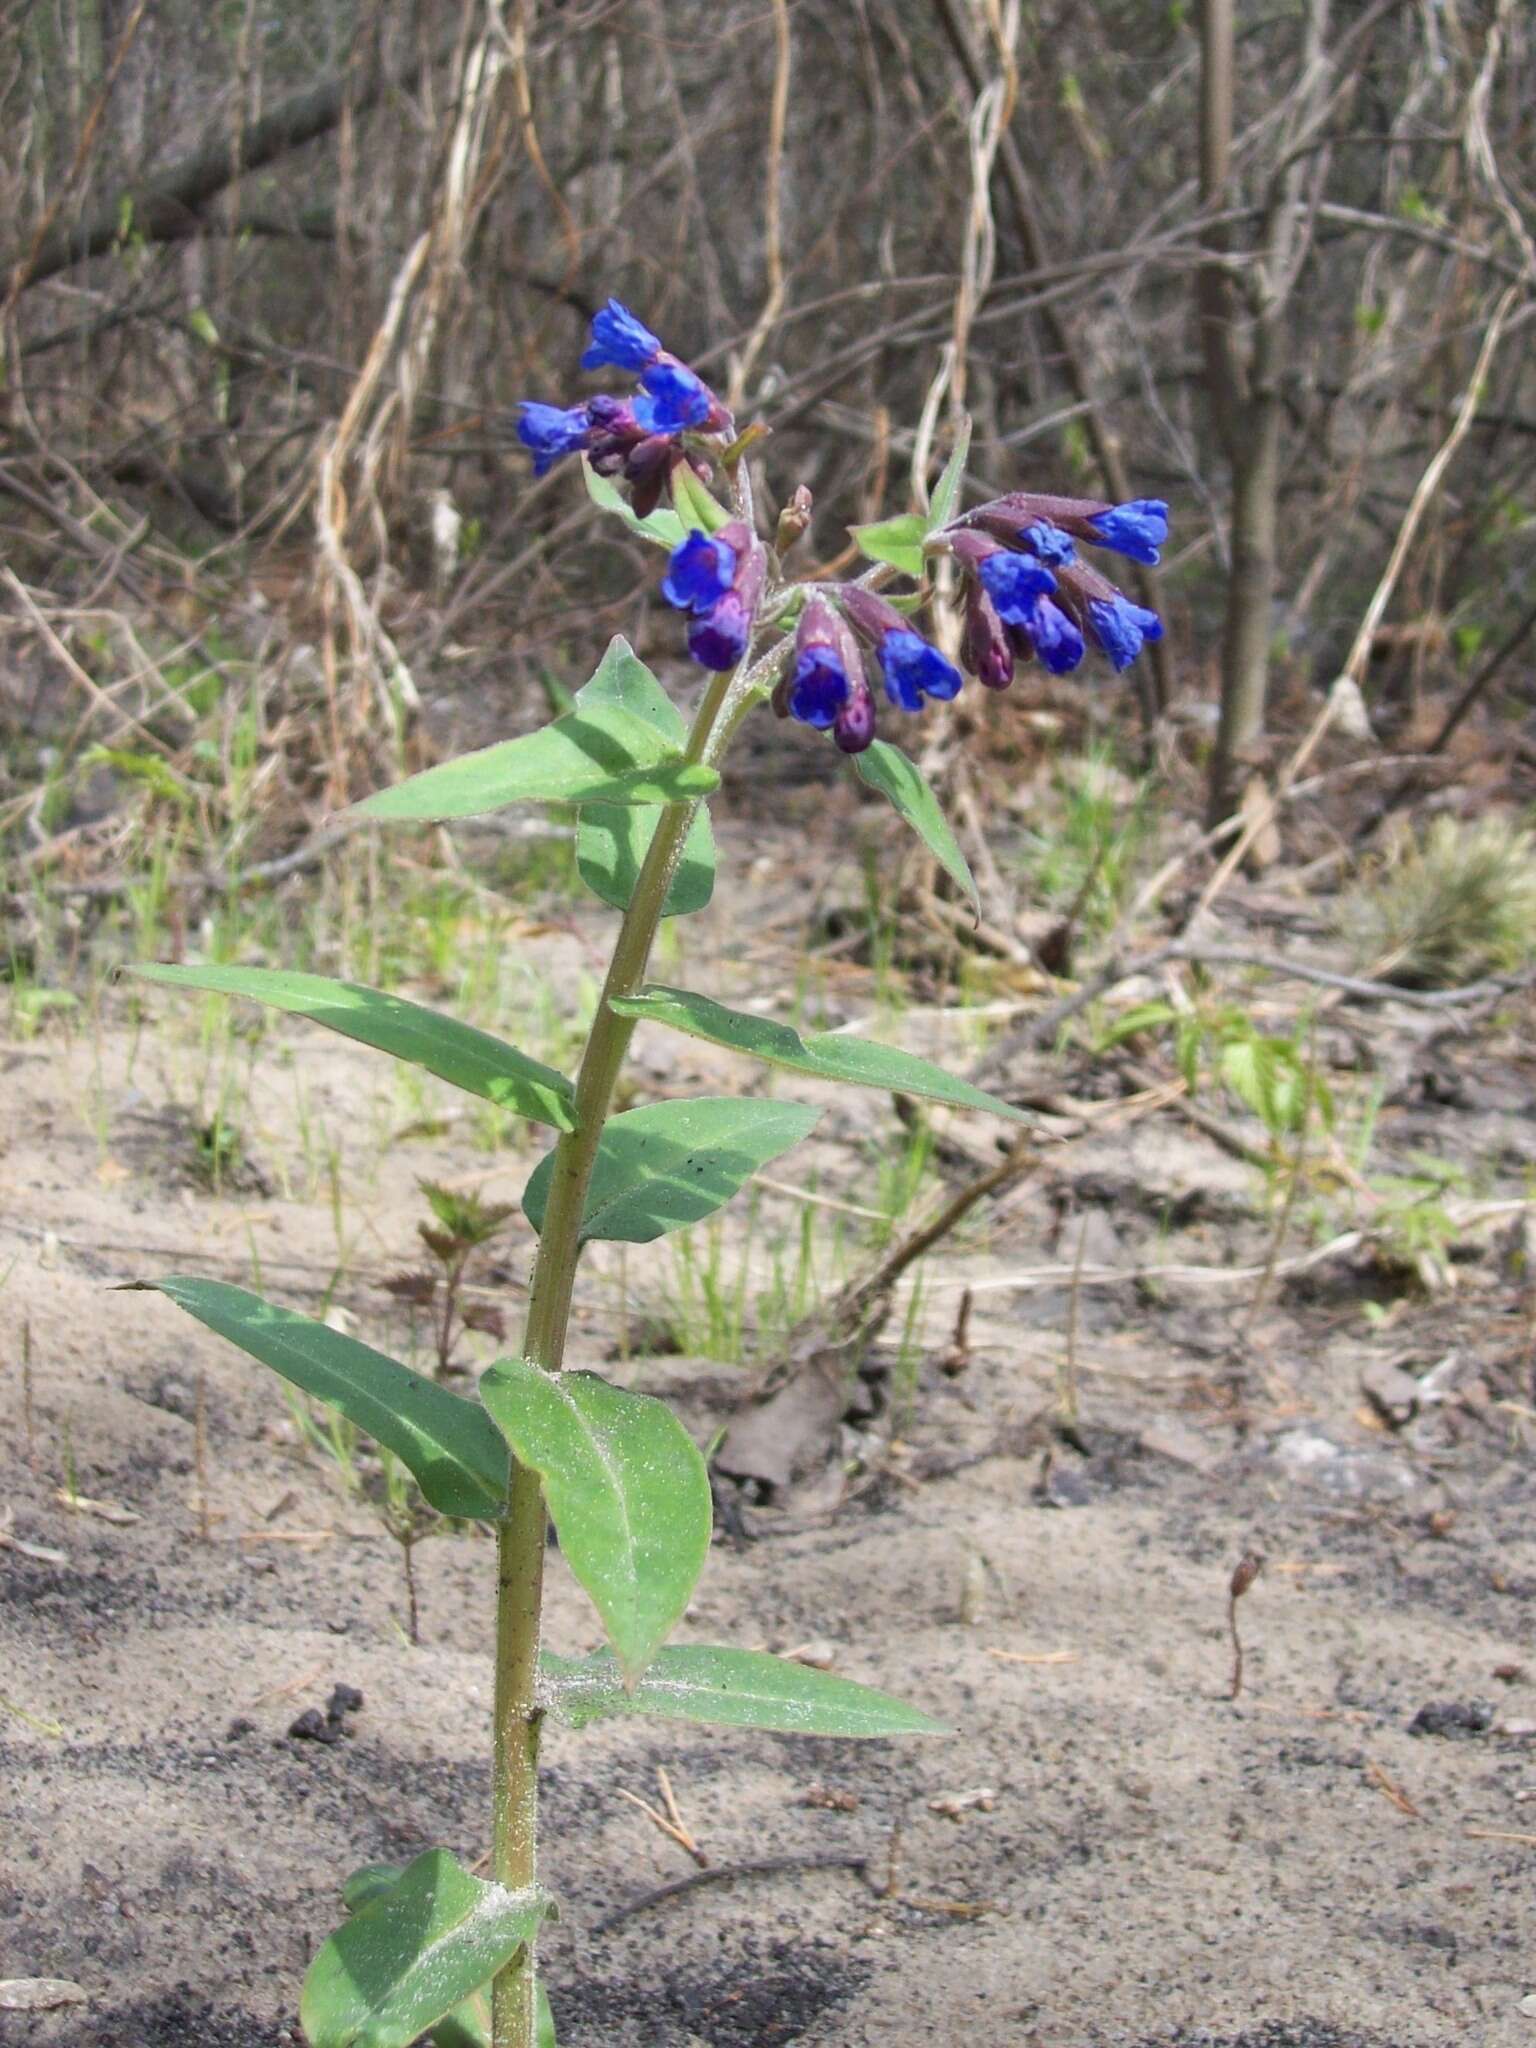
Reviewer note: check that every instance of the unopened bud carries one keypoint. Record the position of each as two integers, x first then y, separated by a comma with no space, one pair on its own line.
793,520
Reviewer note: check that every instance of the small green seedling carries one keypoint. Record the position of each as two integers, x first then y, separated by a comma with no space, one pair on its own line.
461,1225
434,1950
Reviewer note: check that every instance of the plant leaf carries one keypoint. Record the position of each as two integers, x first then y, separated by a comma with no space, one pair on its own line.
599,753
661,526
612,842
830,1055
404,1961
612,839
669,1164
455,1052
898,541
903,783
468,2025
729,1688
446,1442
945,501
626,1488
696,506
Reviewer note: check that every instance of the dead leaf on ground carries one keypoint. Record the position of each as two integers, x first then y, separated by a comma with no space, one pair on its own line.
39,1994
103,1510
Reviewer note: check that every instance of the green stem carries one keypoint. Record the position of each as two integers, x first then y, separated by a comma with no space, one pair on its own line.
520,1542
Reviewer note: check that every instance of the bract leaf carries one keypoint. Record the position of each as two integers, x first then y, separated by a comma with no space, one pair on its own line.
672,1163
414,1953
445,1441
829,1055
664,528
904,785
598,753
729,1688
455,1052
945,502
612,840
468,2025
697,506
898,541
626,1488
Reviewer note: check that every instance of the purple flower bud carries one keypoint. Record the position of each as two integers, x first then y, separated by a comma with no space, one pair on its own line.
985,647
700,572
618,338
674,399
1137,529
1014,582
647,466
551,431
854,726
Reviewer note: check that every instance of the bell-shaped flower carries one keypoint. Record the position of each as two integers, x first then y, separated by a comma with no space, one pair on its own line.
551,431
818,680
620,340
718,578
1121,627
911,667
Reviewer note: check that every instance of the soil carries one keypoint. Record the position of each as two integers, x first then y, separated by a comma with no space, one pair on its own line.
1131,1857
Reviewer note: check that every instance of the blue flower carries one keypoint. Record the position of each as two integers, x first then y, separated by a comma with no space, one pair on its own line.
674,399
1121,627
1137,529
620,339
1048,543
1014,582
914,670
699,574
551,431
719,639
818,685
1056,640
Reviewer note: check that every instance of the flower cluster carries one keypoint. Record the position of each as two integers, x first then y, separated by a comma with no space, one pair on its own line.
1029,596
637,438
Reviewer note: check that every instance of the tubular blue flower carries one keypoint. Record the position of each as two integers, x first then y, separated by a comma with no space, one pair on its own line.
1137,529
674,399
1014,582
1048,542
551,431
913,669
818,682
1121,628
618,338
719,640
700,572
1054,637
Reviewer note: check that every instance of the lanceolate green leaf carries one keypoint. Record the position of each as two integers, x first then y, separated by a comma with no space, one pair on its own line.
409,1957
599,753
613,839
673,1163
945,502
828,1055
664,528
455,1052
627,1492
612,842
468,2025
898,541
903,783
730,1688
448,1443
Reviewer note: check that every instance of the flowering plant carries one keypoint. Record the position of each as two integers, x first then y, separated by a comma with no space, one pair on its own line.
433,1949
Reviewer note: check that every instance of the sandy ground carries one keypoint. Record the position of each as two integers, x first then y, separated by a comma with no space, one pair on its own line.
1152,1863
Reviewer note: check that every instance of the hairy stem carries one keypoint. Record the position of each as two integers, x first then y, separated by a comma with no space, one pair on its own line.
520,1545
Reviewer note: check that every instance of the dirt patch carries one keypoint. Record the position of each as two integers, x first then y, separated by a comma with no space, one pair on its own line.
1155,1865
